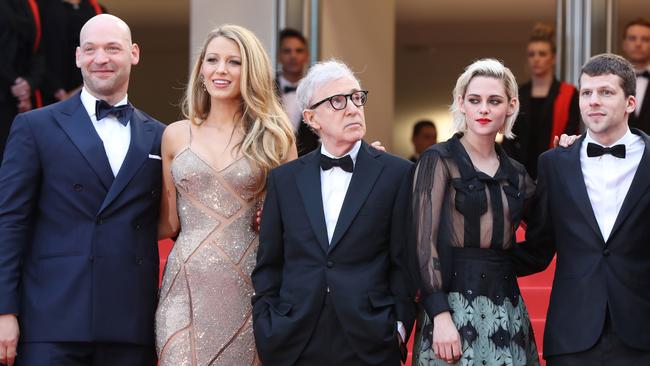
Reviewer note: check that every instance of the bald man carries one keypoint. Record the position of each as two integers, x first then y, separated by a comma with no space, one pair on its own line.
79,200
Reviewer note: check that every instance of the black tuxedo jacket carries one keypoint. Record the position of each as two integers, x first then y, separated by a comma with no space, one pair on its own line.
642,122
363,269
593,277
78,253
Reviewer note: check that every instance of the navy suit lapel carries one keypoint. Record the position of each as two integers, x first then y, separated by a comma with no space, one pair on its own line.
308,181
73,118
142,137
638,187
366,171
571,171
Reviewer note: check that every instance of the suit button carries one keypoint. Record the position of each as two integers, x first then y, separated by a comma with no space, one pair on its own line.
330,264
99,221
140,261
77,187
471,187
328,289
483,275
606,252
137,226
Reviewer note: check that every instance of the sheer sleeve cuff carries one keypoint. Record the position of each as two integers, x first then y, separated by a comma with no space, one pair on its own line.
435,303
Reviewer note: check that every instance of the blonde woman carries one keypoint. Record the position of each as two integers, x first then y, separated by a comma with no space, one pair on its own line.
215,165
468,199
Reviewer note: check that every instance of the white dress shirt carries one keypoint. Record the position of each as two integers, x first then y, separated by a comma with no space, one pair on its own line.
608,178
115,136
641,87
290,102
334,185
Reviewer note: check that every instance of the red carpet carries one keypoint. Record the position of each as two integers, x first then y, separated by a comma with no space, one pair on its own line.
535,289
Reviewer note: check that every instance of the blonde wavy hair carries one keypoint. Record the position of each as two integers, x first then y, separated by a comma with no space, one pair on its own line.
268,136
492,68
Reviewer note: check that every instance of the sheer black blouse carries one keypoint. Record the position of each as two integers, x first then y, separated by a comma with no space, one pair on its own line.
455,205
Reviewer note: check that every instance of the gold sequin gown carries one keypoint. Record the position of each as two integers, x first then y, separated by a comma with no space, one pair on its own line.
204,316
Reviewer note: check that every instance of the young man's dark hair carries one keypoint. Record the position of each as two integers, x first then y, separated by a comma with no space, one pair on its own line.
616,65
638,21
419,125
292,33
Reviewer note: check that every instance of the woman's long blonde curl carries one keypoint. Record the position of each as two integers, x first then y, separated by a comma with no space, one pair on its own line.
268,136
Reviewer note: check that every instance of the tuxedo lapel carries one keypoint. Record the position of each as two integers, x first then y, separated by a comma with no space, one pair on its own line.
570,170
73,118
638,187
366,171
308,181
142,137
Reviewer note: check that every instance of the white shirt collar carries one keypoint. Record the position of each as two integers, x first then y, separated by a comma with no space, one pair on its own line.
627,139
353,152
284,82
89,101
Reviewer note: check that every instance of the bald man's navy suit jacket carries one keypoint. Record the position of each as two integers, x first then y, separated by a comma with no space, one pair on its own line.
78,253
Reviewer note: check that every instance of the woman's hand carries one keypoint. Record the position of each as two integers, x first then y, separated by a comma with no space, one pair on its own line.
565,140
446,339
377,145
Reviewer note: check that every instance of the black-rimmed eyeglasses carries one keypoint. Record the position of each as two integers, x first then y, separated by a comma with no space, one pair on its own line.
340,101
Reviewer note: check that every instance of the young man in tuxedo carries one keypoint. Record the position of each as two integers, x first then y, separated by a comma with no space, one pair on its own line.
591,207
331,283
79,200
293,55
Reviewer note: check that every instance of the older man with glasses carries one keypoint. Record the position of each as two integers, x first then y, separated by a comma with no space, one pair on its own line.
331,279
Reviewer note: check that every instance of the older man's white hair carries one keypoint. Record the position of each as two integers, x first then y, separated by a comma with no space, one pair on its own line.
319,75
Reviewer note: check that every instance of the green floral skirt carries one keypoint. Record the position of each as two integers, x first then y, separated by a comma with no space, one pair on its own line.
488,312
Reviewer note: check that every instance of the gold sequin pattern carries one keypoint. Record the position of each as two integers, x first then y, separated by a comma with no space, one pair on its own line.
205,309
192,174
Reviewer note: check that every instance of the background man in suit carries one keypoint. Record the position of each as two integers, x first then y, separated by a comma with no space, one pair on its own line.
293,56
424,135
330,280
636,45
79,200
592,207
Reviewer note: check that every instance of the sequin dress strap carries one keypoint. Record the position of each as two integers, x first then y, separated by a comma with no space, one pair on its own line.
189,125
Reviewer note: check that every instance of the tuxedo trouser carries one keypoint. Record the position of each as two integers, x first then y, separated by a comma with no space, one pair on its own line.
328,345
84,354
609,350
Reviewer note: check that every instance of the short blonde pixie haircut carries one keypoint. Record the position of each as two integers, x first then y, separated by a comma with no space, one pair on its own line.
491,68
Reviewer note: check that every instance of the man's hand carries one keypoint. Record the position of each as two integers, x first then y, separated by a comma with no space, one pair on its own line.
9,334
446,339
565,140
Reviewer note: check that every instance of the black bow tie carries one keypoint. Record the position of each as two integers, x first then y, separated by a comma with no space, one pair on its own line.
644,74
122,113
597,150
345,163
289,89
